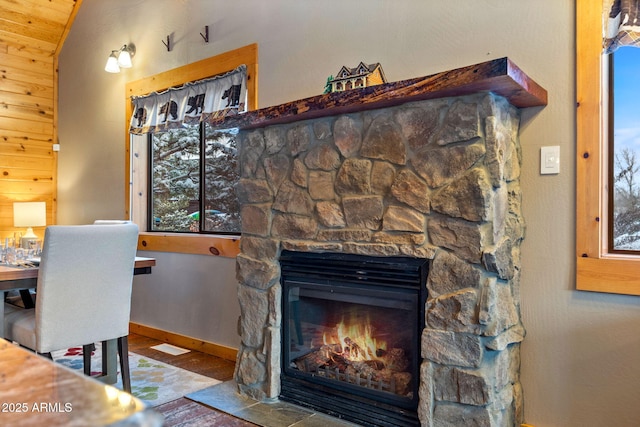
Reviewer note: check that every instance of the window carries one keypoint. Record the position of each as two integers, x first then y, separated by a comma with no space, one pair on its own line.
624,135
597,267
193,173
140,200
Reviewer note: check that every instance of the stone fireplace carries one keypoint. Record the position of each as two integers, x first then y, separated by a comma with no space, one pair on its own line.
426,168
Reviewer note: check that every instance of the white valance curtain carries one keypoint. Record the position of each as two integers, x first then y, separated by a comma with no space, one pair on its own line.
621,24
218,96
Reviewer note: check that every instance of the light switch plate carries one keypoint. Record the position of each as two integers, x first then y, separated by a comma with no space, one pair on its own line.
550,160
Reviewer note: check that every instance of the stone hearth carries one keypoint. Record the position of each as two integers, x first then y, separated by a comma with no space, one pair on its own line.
432,176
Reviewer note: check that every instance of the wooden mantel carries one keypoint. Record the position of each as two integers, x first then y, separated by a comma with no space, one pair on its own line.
500,76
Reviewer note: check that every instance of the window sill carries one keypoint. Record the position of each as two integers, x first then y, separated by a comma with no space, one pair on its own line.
613,274
196,244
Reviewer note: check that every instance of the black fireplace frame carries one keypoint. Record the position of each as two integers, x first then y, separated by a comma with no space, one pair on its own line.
377,277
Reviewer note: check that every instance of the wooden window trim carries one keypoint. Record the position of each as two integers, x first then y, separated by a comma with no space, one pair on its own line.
201,244
596,269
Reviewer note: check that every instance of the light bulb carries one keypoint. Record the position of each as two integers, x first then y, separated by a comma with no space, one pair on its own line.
112,63
124,58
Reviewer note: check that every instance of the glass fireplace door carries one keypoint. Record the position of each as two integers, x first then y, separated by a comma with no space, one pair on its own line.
350,333
355,337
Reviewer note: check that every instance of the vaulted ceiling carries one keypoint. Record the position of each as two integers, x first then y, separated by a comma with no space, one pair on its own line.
37,24
32,33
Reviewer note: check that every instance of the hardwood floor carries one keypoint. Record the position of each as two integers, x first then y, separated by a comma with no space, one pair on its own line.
184,412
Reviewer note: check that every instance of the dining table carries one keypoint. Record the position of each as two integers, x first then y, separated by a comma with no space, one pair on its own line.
11,273
24,277
35,391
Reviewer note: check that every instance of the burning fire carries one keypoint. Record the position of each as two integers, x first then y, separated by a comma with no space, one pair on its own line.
356,340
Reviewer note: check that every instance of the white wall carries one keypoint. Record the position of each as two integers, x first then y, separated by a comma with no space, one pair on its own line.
580,357
194,295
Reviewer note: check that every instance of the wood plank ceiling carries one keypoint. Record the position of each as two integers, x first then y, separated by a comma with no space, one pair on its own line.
32,33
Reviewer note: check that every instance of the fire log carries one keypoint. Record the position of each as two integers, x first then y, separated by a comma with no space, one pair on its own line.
354,350
396,360
363,369
316,358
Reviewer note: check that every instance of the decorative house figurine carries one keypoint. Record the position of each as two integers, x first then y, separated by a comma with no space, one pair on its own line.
351,78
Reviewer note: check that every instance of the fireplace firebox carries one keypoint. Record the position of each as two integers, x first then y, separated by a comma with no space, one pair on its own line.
351,335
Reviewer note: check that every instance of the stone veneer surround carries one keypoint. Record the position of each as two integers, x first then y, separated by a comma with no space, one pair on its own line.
435,179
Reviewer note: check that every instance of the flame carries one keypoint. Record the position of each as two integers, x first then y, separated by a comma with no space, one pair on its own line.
356,340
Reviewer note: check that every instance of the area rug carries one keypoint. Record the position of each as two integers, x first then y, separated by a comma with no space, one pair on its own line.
152,381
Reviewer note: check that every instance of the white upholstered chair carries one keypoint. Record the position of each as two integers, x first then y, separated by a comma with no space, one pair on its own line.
84,292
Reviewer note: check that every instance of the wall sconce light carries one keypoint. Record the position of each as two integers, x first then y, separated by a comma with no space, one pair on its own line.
120,58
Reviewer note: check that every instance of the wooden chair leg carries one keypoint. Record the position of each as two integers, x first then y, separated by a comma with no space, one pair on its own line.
123,353
86,358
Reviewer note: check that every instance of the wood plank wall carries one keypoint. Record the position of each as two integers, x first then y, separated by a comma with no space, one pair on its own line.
31,36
